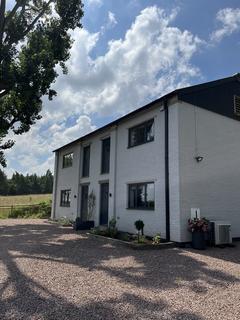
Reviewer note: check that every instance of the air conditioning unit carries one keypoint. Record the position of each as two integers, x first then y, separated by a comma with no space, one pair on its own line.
222,232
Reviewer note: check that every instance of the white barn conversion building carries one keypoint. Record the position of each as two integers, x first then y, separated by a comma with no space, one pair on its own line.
179,152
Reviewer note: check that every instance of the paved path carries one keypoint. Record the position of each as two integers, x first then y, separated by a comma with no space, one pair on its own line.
52,273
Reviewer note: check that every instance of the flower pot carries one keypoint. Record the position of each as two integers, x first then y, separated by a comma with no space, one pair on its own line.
83,225
198,240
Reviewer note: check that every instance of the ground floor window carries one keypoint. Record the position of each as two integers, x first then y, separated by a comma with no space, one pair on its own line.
141,196
65,198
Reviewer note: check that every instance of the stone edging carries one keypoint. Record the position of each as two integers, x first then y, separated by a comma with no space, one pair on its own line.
136,246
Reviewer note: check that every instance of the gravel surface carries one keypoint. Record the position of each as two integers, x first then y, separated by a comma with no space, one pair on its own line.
53,273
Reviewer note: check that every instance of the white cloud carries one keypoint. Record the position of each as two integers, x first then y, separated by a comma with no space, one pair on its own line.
152,59
37,143
229,19
111,19
111,23
97,3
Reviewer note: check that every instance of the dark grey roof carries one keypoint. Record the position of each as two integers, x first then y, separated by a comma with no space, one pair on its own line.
216,96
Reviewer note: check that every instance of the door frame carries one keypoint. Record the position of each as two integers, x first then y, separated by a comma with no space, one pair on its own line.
80,198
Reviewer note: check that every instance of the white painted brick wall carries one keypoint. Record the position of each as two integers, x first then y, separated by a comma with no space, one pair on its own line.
212,185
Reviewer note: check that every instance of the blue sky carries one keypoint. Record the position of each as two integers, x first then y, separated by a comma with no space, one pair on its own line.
127,54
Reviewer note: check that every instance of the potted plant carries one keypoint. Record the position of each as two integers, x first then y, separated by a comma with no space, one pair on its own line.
198,227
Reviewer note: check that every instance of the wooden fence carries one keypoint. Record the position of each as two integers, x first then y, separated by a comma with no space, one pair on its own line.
31,208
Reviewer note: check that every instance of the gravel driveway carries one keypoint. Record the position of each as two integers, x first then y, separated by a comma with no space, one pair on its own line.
49,272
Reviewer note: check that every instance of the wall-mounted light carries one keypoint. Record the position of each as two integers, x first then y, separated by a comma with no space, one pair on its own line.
199,158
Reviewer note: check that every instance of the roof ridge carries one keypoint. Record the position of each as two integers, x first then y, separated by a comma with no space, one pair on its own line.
197,87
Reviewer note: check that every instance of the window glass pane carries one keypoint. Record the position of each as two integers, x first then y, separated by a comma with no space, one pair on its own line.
140,196
86,161
132,137
137,135
150,131
65,198
150,195
67,160
132,196
142,133
105,155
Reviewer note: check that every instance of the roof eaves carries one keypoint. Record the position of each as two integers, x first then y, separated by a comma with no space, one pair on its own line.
178,92
117,121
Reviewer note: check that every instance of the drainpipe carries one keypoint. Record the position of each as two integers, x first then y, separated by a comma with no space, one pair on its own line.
115,173
167,201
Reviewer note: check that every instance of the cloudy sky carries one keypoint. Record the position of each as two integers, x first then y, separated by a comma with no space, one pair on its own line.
128,53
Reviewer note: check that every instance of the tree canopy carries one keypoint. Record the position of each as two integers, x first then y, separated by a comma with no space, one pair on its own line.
34,39
20,184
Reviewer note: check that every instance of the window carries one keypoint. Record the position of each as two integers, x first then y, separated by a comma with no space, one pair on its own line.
237,105
65,198
141,196
67,160
105,156
141,133
86,161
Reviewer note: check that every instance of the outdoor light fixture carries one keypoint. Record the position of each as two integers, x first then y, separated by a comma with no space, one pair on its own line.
199,158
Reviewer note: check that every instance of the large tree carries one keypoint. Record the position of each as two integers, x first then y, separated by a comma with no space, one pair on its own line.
34,38
3,183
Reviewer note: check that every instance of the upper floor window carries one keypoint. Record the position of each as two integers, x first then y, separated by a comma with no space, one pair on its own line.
68,160
141,133
237,105
141,196
65,198
86,161
105,165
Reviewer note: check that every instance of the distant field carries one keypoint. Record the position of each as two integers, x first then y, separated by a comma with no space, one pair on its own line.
7,203
24,200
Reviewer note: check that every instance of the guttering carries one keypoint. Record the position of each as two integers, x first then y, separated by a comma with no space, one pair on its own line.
167,200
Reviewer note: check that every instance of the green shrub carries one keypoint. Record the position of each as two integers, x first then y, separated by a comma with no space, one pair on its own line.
17,213
112,230
124,236
41,211
100,232
157,239
65,222
142,239
44,210
139,225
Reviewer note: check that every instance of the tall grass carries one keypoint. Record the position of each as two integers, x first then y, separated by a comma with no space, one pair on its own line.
40,210
24,199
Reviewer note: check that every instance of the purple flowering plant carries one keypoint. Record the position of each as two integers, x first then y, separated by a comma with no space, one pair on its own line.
198,224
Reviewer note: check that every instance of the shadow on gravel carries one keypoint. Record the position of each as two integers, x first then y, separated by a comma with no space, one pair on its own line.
160,270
